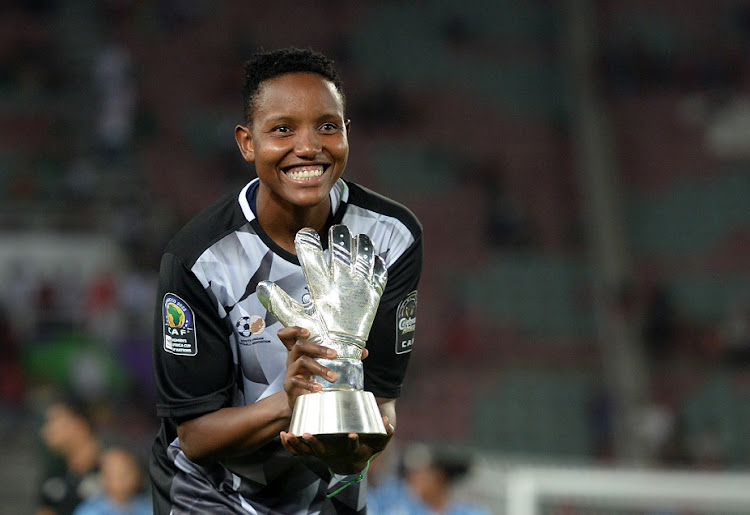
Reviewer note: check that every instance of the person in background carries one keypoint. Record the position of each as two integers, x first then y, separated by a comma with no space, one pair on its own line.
68,433
122,482
426,485
11,373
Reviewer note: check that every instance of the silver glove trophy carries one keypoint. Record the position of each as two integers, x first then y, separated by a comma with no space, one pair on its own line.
345,292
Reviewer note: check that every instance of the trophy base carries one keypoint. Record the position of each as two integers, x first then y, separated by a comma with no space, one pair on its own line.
339,443
333,412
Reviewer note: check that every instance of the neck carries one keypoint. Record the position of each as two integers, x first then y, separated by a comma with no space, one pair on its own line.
281,221
437,502
84,456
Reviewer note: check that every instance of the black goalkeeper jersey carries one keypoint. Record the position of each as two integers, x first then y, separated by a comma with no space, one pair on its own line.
216,346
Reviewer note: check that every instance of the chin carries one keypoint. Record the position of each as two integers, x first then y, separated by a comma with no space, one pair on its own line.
309,203
309,198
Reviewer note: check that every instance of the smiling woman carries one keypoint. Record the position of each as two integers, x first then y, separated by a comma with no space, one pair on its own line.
299,144
226,384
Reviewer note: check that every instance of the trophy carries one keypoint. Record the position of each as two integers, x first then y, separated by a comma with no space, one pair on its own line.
345,291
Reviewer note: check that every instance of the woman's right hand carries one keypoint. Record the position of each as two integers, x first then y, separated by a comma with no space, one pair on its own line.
301,364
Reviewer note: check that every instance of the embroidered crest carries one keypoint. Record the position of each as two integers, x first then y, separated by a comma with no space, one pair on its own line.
406,321
179,326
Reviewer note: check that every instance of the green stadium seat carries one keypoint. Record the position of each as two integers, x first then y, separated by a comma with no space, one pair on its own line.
524,83
692,217
536,412
536,293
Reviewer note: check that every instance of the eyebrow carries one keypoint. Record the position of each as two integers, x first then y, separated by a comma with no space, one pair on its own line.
287,118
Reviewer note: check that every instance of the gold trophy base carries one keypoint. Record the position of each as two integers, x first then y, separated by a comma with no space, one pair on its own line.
333,412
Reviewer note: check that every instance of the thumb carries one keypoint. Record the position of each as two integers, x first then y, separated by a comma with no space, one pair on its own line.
282,306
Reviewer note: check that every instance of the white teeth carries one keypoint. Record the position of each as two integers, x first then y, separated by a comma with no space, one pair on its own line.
305,174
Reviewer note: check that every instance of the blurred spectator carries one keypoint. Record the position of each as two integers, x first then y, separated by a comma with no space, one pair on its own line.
122,482
47,309
634,61
116,92
735,334
68,432
103,311
601,410
384,484
660,328
426,487
11,371
656,427
505,225
431,475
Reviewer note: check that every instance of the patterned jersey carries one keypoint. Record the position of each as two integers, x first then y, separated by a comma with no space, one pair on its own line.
217,346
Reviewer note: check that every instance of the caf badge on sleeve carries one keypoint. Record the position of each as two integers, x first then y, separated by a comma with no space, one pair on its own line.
179,326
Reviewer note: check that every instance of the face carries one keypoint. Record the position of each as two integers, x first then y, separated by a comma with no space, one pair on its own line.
60,428
298,139
426,482
120,474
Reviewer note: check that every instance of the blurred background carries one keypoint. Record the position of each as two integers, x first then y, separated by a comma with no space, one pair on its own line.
581,169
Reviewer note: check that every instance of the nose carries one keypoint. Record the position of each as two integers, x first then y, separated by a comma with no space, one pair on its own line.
307,143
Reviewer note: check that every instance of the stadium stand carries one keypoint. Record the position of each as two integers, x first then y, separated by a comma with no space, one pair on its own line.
448,102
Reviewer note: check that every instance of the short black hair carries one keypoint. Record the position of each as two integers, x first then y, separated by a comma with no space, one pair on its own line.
74,404
265,65
452,463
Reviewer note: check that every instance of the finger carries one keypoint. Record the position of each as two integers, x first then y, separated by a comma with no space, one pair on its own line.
309,348
285,443
290,335
379,274
365,353
282,306
364,252
290,443
389,429
316,446
311,258
353,444
306,444
340,245
306,366
296,383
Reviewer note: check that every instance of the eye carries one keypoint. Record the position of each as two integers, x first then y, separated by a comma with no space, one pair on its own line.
281,129
329,127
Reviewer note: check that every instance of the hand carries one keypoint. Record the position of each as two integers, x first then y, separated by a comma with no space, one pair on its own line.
344,454
302,365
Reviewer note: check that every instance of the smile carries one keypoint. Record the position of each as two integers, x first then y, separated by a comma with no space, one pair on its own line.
305,173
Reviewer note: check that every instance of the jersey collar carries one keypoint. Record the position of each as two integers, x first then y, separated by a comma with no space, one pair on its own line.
339,195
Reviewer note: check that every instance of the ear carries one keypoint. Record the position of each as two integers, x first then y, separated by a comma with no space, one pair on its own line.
244,138
348,125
